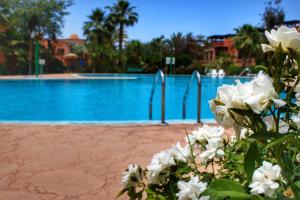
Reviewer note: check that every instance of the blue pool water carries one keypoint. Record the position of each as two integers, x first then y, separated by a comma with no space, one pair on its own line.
102,100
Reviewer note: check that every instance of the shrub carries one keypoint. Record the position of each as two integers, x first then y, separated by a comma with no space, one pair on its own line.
261,160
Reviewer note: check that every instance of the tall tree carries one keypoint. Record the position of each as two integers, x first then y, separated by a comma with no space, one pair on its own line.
99,32
247,41
122,14
155,51
177,43
95,29
273,14
134,53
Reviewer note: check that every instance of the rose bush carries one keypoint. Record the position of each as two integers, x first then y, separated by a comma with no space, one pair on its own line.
261,160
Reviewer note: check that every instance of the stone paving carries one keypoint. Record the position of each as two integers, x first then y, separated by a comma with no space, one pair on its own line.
60,162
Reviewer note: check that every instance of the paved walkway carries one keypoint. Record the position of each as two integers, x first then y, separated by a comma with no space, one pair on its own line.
75,162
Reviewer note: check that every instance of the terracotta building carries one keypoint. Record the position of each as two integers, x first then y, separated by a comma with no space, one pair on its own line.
63,50
223,44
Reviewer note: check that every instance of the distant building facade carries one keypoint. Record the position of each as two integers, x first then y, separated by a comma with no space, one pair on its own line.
63,47
223,44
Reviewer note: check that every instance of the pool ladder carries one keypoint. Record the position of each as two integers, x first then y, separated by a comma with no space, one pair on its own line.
187,91
160,74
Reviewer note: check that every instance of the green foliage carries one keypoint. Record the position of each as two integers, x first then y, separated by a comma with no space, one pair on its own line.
134,53
262,161
28,20
224,188
247,41
252,160
122,15
273,14
99,32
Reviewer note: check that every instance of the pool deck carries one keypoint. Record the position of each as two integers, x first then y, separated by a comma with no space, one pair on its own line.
60,76
78,162
74,76
45,76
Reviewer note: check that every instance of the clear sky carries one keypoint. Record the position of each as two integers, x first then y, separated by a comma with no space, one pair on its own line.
164,17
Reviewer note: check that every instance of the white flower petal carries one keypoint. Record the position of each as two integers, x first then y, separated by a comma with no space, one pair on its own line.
287,37
191,189
263,180
278,103
265,48
283,127
255,103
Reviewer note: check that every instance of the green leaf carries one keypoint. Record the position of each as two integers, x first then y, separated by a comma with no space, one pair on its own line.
262,135
280,140
254,120
227,188
297,183
231,194
261,67
296,189
251,156
184,169
297,171
288,167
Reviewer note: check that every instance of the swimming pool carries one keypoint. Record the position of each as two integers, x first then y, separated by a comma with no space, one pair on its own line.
102,100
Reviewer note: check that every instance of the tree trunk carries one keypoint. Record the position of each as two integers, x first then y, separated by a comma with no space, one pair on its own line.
30,57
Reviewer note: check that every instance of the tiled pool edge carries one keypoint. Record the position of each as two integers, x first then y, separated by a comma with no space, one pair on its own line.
108,123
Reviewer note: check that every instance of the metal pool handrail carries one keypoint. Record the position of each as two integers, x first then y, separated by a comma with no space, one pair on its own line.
160,74
187,91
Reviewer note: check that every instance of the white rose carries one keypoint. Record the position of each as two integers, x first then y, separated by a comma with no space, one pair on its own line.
287,37
191,189
181,153
212,150
204,133
262,91
158,168
132,176
226,98
263,180
255,95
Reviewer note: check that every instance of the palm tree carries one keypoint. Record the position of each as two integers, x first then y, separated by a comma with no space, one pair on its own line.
122,14
95,29
99,32
177,43
247,41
